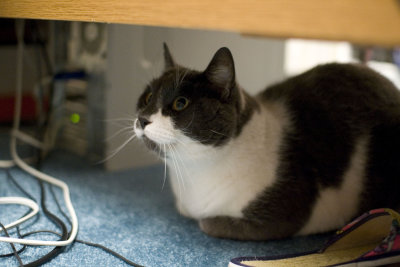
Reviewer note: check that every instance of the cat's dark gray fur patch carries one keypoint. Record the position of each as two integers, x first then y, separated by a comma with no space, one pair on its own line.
331,107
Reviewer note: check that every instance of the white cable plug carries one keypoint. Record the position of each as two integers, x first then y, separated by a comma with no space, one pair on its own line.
20,163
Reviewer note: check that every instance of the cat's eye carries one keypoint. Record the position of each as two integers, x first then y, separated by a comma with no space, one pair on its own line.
180,103
148,97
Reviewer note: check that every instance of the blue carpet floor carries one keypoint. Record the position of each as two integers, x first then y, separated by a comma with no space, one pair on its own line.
129,212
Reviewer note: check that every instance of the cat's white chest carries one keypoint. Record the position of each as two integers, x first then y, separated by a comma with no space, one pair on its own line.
206,192
210,182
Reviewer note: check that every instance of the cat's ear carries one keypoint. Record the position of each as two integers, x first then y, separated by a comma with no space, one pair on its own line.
221,71
168,60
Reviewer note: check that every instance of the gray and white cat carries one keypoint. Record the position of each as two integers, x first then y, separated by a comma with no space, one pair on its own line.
304,156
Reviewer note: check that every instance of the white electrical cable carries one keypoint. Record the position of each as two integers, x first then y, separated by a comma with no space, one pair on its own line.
20,163
20,201
27,138
51,180
5,164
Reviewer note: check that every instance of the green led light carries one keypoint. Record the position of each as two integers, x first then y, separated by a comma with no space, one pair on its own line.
75,118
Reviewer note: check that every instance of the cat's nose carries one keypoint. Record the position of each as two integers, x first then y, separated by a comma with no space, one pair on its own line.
143,122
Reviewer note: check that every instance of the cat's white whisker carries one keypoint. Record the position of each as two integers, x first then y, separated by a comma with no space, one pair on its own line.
183,76
180,141
177,77
159,151
189,124
118,149
179,174
179,167
119,119
119,132
121,122
160,135
213,131
165,167
176,171
182,162
192,141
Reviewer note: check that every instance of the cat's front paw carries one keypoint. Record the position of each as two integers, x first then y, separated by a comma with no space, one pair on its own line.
217,227
206,226
237,228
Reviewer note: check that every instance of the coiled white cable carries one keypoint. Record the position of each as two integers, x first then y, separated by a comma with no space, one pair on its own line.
20,163
51,180
20,201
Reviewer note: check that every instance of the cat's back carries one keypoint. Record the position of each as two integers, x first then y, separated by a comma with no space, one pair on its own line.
346,97
336,84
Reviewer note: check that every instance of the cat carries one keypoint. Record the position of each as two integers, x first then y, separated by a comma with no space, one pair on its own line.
304,156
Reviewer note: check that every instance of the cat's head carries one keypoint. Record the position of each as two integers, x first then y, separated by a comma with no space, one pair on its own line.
183,104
